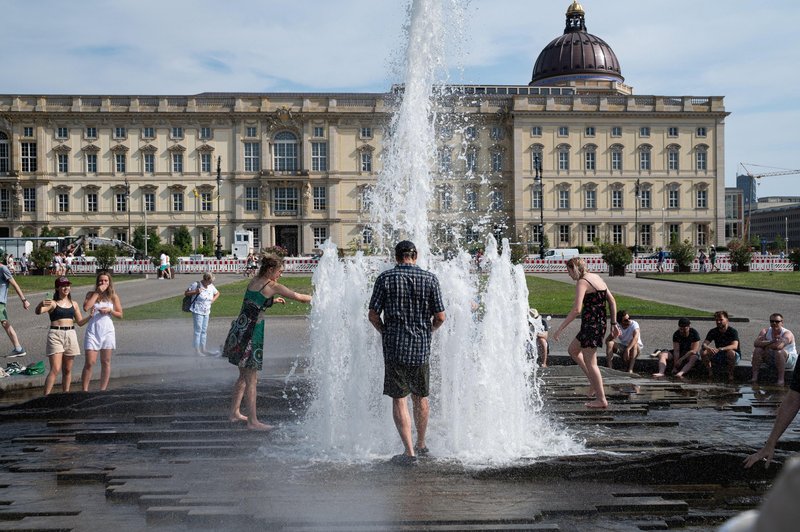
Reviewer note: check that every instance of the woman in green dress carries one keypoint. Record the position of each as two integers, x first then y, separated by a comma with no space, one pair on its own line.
244,345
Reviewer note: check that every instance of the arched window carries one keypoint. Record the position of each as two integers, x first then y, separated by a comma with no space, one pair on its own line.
590,157
616,156
673,157
644,157
537,151
285,152
5,165
701,157
563,156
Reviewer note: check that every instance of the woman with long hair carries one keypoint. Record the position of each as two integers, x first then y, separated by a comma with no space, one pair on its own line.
591,296
100,335
62,340
244,345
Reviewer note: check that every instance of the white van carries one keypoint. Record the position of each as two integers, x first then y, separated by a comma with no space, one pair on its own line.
561,254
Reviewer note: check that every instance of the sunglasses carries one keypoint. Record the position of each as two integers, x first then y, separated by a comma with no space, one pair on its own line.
775,321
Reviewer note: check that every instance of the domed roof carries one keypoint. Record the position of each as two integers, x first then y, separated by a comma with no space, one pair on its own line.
576,55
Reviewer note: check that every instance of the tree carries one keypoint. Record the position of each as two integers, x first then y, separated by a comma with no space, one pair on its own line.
41,258
617,256
105,257
740,254
682,253
153,240
182,240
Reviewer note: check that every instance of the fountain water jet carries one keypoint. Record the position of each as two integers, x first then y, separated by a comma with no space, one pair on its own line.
485,402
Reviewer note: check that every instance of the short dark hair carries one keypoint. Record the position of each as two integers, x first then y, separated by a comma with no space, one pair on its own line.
621,314
405,249
684,322
721,314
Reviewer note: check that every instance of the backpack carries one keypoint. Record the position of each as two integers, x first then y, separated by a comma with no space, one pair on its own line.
186,303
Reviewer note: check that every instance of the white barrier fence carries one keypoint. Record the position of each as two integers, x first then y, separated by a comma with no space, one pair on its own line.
86,265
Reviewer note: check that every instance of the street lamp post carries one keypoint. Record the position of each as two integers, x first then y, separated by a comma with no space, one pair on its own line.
636,224
128,207
219,186
537,168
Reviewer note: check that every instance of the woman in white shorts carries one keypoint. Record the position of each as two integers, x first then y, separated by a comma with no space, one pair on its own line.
100,336
62,341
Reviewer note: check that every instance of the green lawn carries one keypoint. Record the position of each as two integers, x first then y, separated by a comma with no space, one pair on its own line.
44,283
784,281
227,305
548,296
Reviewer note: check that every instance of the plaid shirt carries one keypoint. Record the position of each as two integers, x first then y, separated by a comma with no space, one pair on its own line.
408,296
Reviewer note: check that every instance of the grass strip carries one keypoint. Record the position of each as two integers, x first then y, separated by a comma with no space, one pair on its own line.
783,281
44,283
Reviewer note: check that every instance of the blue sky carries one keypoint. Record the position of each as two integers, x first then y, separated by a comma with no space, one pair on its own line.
740,49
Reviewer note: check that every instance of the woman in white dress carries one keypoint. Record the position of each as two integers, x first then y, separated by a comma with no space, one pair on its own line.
100,336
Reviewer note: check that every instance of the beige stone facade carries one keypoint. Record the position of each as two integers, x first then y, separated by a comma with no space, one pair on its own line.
294,168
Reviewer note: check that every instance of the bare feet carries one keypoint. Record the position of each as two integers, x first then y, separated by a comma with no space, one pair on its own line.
679,375
658,375
237,417
780,383
257,425
596,404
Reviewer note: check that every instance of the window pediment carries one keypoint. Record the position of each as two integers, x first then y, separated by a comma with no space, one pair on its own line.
176,188
148,148
645,147
563,146
120,148
497,148
616,147
90,148
62,148
701,147
536,147
564,185
119,189
205,148
205,188
149,188
616,185
590,147
365,148
62,188
673,186
91,188
590,186
176,148
674,147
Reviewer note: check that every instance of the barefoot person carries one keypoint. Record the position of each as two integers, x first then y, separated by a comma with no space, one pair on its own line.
405,308
685,351
774,345
786,413
100,336
244,345
62,341
591,296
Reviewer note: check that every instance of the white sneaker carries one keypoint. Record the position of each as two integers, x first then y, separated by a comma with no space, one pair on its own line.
17,352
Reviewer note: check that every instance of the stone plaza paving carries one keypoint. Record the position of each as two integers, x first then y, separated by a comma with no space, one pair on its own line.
154,455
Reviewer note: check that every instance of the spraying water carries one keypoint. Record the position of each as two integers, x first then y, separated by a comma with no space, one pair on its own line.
485,401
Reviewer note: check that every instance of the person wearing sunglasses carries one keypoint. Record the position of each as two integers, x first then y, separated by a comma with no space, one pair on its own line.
775,346
628,345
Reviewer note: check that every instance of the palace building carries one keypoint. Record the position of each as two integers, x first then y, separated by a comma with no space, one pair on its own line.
297,168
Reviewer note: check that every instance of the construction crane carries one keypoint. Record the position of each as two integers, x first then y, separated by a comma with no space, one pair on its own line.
753,177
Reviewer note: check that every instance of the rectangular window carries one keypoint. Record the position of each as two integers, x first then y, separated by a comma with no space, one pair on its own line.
150,201
591,233
91,132
27,131
366,132
256,237
563,160
470,133
673,201
121,235
590,198
563,199
536,198
28,155
251,199
644,131
148,132
251,132
252,156
89,245
63,163
616,234
616,199
496,133
616,131
177,201
320,198
119,160
672,160
616,160
62,133
365,199
672,132
176,133
205,163
563,131
590,131
646,235
644,199
91,163
445,160
5,202
319,132
285,200
5,165
62,202
702,232
121,202
319,156
366,235
701,161
206,133
674,231
471,198
320,236
29,200
644,160
206,202
701,132
590,160
702,199
496,200
177,163
120,133
366,161
91,201
536,233
563,234
497,161
472,160
536,131
149,163
445,199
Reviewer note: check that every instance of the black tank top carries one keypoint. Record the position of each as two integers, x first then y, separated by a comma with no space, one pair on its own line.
61,313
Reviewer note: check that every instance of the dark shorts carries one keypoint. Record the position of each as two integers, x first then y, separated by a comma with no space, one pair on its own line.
399,380
721,358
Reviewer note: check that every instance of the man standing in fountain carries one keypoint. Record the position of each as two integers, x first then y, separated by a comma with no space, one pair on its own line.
411,303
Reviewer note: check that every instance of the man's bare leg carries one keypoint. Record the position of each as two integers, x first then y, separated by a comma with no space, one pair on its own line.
758,353
12,334
421,413
236,401
780,364
402,420
610,354
731,358
632,359
663,356
687,367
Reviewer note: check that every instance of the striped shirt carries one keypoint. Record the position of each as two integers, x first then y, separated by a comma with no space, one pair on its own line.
408,297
